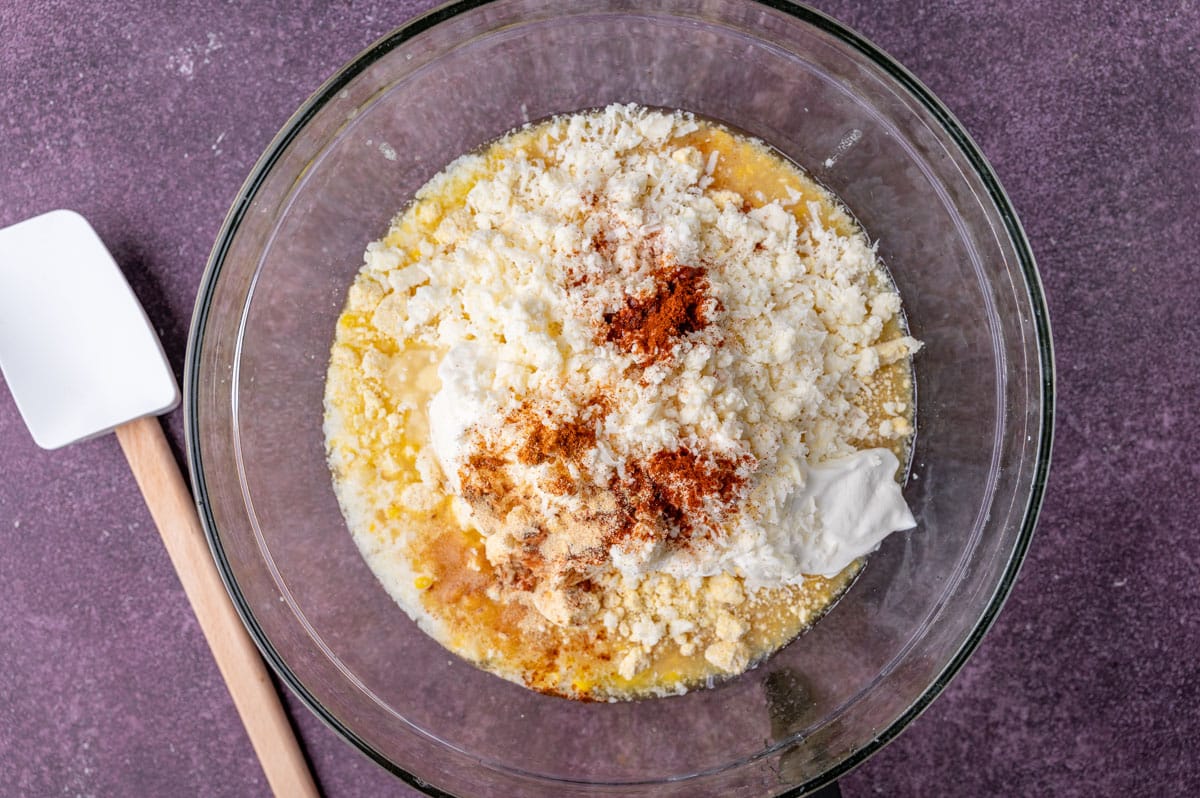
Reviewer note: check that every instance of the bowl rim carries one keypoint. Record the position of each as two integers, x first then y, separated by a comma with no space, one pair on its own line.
876,55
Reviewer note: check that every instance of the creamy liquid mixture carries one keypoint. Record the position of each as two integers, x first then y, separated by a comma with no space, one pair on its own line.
573,520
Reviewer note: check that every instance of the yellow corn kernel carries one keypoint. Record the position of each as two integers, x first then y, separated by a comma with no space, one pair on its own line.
423,582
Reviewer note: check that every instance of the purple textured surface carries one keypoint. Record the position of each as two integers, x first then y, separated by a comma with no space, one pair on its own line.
146,116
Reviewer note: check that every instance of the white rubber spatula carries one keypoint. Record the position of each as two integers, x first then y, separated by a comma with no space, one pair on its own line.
81,359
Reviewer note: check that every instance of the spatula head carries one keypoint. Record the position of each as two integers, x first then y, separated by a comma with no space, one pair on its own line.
76,348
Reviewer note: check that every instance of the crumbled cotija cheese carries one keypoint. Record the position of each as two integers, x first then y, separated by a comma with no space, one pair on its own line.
635,372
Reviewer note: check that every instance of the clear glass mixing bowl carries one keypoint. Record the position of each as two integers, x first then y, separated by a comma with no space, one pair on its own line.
459,76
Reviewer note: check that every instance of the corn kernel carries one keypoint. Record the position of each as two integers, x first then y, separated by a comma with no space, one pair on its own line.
423,582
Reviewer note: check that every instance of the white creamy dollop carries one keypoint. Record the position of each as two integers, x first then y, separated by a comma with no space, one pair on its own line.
844,510
463,400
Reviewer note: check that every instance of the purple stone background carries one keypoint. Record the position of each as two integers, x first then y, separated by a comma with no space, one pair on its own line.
146,116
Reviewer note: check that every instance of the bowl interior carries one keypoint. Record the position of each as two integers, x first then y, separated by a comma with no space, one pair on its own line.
460,77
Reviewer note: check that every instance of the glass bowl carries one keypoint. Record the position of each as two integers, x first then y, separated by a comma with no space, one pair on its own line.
457,77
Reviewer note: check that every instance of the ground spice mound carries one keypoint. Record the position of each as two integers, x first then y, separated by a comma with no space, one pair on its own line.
485,479
678,494
546,441
651,325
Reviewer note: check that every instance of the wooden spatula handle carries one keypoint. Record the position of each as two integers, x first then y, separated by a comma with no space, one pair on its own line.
245,674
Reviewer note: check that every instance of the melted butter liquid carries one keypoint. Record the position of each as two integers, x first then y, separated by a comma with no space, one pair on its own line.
440,563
